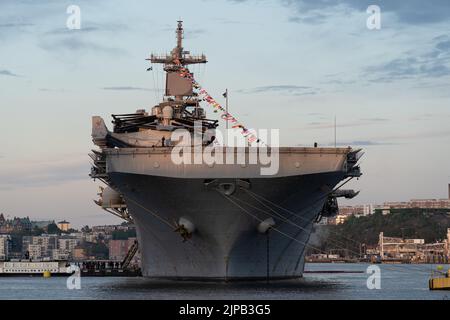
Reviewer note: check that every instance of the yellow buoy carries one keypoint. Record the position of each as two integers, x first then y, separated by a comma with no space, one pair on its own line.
47,274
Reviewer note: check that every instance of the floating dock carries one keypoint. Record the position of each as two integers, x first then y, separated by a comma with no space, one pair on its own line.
440,282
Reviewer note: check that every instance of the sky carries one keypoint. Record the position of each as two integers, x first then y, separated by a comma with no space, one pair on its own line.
288,64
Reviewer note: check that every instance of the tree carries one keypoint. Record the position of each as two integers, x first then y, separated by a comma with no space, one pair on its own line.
428,224
53,229
123,235
98,250
37,231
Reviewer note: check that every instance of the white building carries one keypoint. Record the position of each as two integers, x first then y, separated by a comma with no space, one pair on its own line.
34,251
60,254
64,225
368,209
90,237
68,244
4,246
46,242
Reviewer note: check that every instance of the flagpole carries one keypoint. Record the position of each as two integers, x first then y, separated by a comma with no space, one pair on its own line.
335,140
226,105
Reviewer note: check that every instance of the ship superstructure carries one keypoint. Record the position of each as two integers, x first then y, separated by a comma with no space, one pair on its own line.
212,221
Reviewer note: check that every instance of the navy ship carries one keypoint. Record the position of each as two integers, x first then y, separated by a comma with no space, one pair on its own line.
212,221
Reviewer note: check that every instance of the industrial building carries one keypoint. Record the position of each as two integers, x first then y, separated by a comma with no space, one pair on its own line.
413,250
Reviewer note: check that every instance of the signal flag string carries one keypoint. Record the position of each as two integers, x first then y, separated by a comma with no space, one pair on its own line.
247,133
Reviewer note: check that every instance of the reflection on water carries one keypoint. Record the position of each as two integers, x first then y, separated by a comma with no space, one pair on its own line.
397,282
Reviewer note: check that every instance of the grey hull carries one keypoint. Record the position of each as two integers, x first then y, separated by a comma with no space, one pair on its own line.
226,244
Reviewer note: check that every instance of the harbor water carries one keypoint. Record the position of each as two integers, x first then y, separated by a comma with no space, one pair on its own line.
321,281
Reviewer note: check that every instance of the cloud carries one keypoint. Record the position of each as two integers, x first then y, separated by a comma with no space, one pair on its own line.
41,174
51,90
66,31
8,73
418,135
357,123
90,27
374,119
15,25
315,114
443,46
126,88
232,21
339,82
396,139
193,33
362,143
85,39
74,44
285,89
429,116
408,12
432,63
317,18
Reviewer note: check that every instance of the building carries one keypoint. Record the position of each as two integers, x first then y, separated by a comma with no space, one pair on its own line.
67,245
5,245
447,244
64,225
78,254
77,235
392,248
107,229
60,254
14,225
91,237
34,252
420,203
360,210
6,225
46,243
118,249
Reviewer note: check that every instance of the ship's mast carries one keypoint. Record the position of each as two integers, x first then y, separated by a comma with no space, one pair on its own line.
177,57
179,93
179,33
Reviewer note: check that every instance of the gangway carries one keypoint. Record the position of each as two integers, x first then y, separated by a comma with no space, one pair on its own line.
126,261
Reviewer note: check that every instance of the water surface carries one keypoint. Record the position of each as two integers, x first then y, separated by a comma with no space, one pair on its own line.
397,282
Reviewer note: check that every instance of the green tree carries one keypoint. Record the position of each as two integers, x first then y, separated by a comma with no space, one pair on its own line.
53,229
